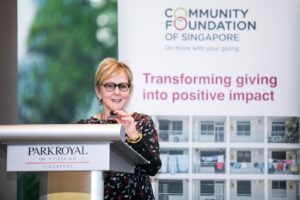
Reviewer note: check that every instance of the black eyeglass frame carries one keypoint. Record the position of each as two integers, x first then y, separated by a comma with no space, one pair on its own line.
116,85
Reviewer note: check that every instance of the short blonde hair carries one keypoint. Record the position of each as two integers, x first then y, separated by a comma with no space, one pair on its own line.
109,67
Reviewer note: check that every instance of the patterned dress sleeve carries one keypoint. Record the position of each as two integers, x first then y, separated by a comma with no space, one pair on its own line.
148,147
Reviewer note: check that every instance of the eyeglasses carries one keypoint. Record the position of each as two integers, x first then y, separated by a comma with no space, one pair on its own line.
123,87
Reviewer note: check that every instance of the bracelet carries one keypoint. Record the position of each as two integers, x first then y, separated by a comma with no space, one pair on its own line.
135,140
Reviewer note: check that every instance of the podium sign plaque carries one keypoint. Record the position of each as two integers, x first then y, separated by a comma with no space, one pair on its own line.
60,157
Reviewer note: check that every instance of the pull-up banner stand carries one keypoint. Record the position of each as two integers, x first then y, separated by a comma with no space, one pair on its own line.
71,158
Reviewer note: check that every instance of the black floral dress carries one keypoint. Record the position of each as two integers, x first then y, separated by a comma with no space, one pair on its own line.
137,186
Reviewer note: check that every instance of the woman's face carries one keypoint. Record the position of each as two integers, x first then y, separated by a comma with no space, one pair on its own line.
116,99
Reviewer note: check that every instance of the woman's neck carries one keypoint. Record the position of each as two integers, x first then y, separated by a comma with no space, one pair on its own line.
104,116
101,116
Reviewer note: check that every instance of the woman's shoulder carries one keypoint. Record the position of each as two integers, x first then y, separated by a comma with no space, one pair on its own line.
143,119
137,115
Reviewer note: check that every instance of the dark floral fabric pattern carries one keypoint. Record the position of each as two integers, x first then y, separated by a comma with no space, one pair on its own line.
137,186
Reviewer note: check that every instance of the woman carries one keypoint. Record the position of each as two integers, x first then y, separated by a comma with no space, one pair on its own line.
113,86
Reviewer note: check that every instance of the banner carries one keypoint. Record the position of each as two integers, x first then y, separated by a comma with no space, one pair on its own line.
212,57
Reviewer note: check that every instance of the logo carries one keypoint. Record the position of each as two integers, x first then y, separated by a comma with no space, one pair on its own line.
180,21
207,24
56,150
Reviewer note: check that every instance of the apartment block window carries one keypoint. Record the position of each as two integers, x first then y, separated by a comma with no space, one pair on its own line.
207,127
164,125
169,125
207,188
171,152
169,129
244,156
243,128
278,129
279,189
170,187
279,155
177,127
163,130
210,158
174,161
243,188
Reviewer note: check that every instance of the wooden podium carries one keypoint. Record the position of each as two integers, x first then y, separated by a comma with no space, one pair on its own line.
70,158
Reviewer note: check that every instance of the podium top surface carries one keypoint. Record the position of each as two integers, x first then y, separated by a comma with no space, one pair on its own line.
61,133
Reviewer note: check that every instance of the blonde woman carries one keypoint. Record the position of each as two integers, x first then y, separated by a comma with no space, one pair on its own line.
113,86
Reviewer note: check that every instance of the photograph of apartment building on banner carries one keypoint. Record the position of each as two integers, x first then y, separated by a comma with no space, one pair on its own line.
228,157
